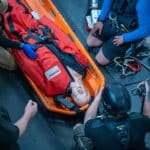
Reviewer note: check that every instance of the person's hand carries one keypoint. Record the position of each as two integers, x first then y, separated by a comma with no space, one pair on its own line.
140,84
31,109
97,28
147,88
144,88
118,40
29,50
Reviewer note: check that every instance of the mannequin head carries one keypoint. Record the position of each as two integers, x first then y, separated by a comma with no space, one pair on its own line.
79,93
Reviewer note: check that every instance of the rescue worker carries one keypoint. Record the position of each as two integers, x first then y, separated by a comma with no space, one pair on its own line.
9,132
116,128
6,59
120,23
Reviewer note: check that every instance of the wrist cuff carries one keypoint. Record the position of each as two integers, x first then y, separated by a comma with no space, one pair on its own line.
21,45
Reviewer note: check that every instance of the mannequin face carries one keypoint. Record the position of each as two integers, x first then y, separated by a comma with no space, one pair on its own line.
3,6
79,94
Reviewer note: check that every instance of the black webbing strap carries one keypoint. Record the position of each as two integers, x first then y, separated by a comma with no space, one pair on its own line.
46,33
23,5
62,99
66,58
11,26
40,38
10,21
32,33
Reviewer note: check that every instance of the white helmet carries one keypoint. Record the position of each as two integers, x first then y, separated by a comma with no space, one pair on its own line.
3,6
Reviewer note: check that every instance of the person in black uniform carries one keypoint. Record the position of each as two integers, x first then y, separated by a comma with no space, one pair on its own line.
116,128
6,59
9,132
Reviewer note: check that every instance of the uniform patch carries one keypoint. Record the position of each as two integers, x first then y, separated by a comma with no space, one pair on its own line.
52,72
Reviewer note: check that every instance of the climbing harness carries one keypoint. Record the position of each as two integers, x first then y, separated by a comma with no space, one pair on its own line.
113,18
127,65
140,90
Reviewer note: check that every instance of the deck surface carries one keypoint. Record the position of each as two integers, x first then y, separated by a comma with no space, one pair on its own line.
54,132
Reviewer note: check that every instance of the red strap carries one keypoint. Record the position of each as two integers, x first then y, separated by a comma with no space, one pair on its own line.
134,66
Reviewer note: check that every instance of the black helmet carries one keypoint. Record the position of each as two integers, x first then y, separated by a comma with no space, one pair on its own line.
116,99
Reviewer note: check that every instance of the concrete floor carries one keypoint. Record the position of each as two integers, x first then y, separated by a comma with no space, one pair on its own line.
45,131
53,132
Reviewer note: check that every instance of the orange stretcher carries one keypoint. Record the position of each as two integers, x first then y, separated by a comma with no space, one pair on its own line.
94,79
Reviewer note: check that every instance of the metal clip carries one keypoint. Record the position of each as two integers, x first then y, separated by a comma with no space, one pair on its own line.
128,65
113,18
43,38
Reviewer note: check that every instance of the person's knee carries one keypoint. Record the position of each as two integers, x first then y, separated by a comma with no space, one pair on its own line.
101,59
93,41
89,41
12,64
7,61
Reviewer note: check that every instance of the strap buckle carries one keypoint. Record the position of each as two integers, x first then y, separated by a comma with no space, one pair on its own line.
128,65
68,104
113,18
43,37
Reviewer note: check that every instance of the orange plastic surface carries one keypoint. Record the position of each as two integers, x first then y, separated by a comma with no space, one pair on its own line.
94,79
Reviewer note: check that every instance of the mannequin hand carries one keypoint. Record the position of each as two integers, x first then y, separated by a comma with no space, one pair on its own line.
29,50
